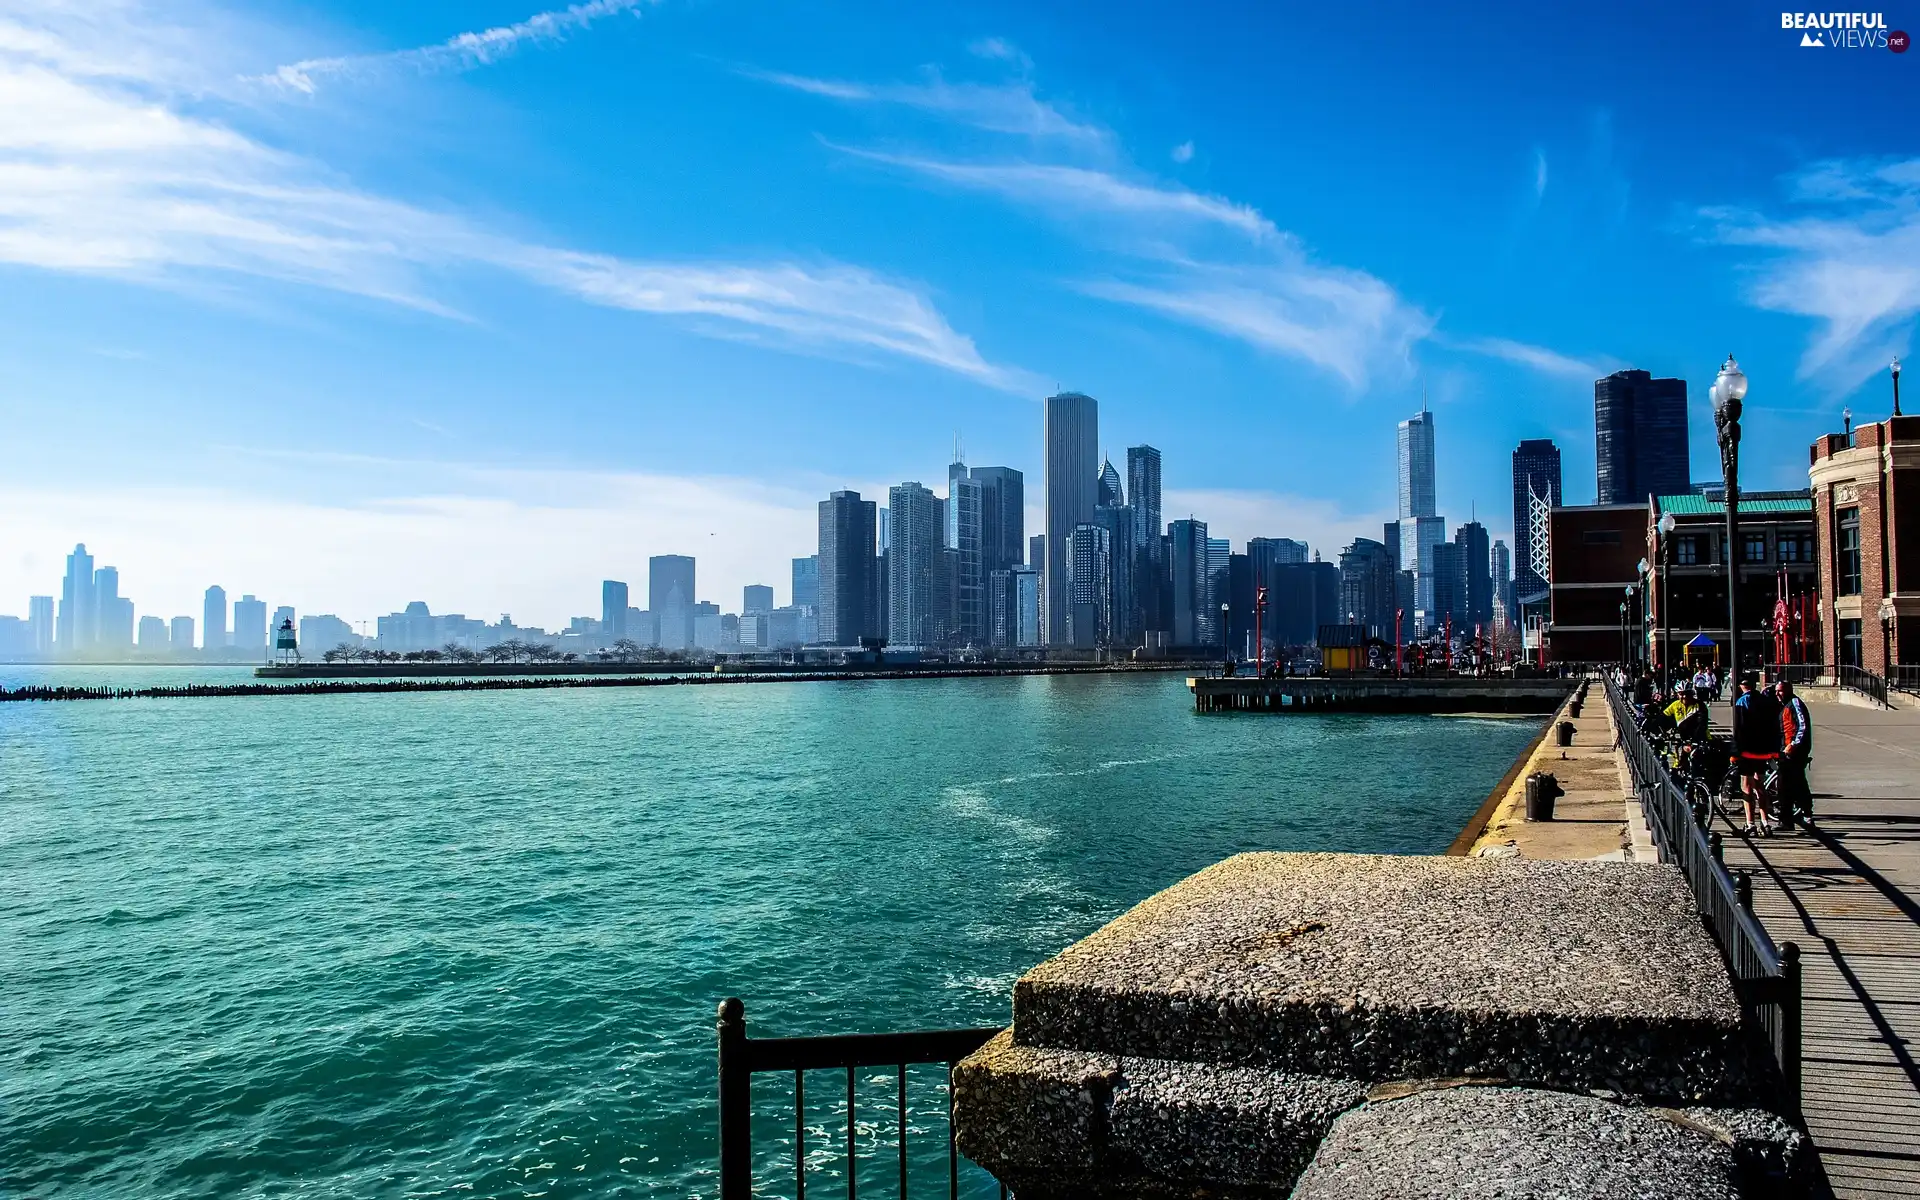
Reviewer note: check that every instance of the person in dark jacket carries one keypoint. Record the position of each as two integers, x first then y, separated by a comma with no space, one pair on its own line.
1756,744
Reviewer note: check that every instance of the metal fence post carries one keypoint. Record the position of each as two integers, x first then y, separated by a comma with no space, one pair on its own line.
1743,890
736,1107
1790,1020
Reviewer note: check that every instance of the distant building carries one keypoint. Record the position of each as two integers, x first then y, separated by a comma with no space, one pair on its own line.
911,564
1449,606
1123,620
1219,562
642,629
1300,599
714,630
671,597
1003,517
1187,570
16,640
1367,586
1037,552
250,626
213,620
153,634
113,612
1421,527
756,598
1026,584
1536,493
180,634
1640,437
1474,588
1502,575
321,632
1090,586
806,581
1107,489
40,624
1149,568
1072,456
79,618
962,517
849,590
613,609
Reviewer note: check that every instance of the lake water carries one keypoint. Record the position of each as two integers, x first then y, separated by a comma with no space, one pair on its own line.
470,944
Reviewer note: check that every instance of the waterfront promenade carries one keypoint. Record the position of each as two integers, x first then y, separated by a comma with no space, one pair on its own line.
1848,892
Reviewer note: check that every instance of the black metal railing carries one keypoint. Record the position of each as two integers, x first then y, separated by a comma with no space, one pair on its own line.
1765,977
741,1057
1906,677
1798,674
1861,680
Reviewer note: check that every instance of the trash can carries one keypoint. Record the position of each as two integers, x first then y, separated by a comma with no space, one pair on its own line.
1564,733
1542,790
1573,710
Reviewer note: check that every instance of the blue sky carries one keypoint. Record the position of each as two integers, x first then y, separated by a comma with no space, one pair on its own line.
352,304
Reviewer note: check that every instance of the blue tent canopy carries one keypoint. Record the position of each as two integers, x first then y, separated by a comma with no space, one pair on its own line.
1700,642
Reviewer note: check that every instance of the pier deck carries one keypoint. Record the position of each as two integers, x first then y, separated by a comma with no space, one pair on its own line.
1849,892
1377,694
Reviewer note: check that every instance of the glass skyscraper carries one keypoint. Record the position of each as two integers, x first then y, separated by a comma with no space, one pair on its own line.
1640,437
1073,464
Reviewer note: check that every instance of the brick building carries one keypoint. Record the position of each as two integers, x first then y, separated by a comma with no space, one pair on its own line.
1776,544
1866,490
1593,552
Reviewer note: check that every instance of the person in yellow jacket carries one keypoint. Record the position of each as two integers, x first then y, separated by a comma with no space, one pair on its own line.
1689,717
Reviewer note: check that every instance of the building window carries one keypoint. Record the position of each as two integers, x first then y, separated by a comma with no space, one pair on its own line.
1686,551
1850,644
1847,556
1601,537
1795,548
1754,547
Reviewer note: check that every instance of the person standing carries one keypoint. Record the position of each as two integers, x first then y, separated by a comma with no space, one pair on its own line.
1796,752
1756,745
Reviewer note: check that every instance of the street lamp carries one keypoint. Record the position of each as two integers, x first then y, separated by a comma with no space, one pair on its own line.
1633,589
1666,598
1729,389
1896,387
1623,635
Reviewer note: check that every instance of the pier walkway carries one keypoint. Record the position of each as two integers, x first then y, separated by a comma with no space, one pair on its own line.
1848,892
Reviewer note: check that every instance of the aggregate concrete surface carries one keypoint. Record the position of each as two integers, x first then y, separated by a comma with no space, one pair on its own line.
1373,967
1513,1142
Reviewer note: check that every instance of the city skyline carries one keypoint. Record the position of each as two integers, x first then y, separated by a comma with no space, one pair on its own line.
421,355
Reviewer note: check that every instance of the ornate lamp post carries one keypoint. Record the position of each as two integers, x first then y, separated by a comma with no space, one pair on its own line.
1623,635
1896,387
1666,598
1633,651
1729,389
1226,650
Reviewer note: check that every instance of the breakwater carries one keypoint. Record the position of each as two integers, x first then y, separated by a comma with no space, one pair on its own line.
330,687
1381,694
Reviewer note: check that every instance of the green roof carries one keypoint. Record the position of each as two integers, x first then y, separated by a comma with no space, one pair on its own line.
1697,506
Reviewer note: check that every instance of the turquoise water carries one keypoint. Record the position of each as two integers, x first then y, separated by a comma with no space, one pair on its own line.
470,944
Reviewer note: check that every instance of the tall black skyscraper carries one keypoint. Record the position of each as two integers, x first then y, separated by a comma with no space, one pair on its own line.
1151,608
1536,472
848,585
1474,593
1640,437
1003,518
1073,463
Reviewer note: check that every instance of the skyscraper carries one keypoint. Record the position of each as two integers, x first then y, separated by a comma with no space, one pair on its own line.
79,617
213,620
756,598
112,612
1475,588
806,581
40,624
963,519
1072,448
1536,491
1149,571
1502,574
1421,528
1640,437
153,633
1122,620
1264,554
1219,580
912,560
847,568
1447,563
1003,517
1366,586
670,598
1187,571
614,602
180,634
250,625
1090,584
1107,492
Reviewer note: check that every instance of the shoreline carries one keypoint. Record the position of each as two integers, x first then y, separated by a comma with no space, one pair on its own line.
1463,842
489,683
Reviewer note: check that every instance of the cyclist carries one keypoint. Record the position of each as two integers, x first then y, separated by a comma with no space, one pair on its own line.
1688,715
1756,739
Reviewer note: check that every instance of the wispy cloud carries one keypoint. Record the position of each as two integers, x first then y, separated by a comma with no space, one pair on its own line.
1344,321
1183,153
1001,50
1539,173
1066,189
102,172
1849,258
1011,107
1539,358
459,52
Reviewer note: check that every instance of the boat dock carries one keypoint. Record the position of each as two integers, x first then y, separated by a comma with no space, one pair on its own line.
1378,694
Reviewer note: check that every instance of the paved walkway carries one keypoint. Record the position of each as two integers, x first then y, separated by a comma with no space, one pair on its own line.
1849,893
1598,818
